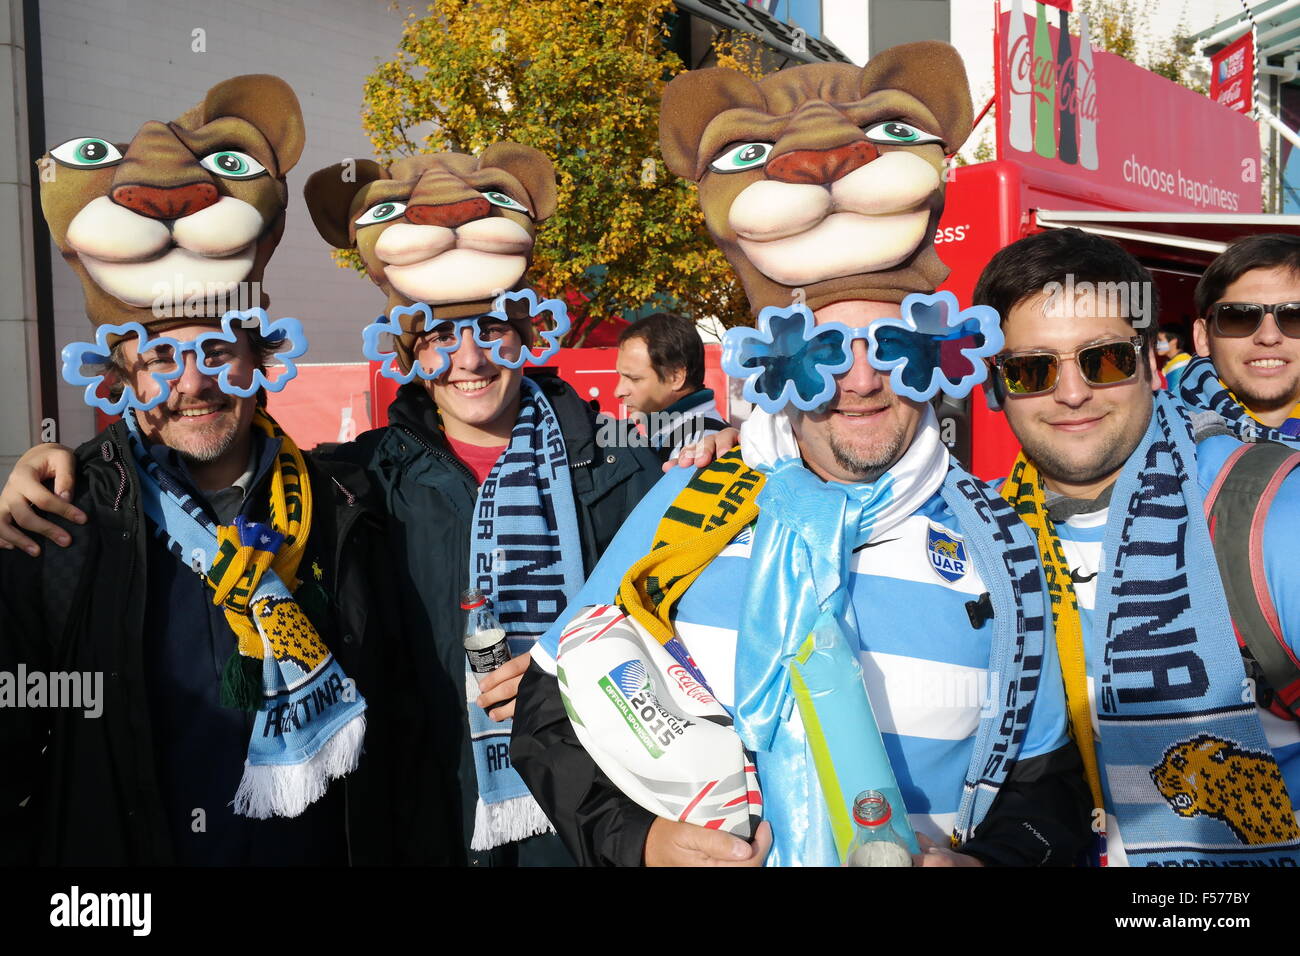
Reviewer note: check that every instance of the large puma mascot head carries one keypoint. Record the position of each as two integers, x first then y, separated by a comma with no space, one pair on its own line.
826,177
449,229
167,227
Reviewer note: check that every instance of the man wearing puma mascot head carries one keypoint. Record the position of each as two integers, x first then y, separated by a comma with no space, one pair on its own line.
214,569
492,480
844,558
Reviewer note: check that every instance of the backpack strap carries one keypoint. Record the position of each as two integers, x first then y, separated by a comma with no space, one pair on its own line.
1238,505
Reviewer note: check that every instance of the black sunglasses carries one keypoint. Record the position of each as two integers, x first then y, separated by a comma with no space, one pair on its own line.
1237,320
1037,373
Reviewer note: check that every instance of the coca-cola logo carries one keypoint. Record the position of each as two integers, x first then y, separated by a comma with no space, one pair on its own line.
1074,81
689,685
1230,94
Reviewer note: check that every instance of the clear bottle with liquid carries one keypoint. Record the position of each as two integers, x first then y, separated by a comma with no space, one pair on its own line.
876,842
485,638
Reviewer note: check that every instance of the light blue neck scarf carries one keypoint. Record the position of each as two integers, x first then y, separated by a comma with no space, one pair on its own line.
804,540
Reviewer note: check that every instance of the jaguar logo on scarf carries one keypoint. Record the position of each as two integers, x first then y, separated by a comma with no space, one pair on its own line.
1217,778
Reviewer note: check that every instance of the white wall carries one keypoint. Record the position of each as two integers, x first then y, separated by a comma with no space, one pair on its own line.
844,23
110,65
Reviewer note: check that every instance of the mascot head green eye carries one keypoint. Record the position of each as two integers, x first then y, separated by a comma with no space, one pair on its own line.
498,198
232,164
381,212
742,157
86,152
898,133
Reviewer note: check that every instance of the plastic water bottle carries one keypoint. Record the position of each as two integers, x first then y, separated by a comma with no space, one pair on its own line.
485,638
876,843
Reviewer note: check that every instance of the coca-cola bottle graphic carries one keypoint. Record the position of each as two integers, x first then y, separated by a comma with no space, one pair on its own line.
1068,145
1085,86
1044,89
1020,67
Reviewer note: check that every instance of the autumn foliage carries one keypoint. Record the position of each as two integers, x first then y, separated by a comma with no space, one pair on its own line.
580,81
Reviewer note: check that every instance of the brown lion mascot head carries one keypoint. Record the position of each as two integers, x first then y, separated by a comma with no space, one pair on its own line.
181,220
826,177
448,229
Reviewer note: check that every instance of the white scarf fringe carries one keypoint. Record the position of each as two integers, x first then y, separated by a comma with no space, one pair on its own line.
509,821
286,790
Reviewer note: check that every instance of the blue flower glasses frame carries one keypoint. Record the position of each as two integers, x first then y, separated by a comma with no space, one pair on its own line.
391,324
909,348
788,359
77,355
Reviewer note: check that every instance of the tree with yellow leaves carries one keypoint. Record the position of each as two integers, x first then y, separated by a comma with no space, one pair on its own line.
581,82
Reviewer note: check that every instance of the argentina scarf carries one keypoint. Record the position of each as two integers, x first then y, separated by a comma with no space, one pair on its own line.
1191,777
311,719
806,532
1202,388
526,558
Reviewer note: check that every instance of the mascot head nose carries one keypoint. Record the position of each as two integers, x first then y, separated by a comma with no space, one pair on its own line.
449,214
818,167
166,202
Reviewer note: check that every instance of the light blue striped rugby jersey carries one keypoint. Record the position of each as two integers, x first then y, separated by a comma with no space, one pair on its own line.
1081,538
925,666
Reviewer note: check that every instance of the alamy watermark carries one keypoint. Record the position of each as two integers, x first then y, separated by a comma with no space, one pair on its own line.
75,690
1131,301
968,690
203,299
77,908
651,430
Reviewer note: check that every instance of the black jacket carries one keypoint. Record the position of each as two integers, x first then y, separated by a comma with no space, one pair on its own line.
93,796
430,497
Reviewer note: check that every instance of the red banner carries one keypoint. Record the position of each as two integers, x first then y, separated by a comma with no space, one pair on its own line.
1232,74
1123,136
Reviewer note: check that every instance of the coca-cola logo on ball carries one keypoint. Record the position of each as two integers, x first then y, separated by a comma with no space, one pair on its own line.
689,685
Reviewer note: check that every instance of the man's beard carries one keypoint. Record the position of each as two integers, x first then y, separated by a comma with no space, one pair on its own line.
868,464
209,450
210,444
1284,398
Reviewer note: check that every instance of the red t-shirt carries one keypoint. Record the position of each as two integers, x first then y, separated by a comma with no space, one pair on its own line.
476,458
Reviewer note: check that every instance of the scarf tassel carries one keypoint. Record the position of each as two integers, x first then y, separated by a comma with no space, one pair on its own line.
241,683
507,822
286,790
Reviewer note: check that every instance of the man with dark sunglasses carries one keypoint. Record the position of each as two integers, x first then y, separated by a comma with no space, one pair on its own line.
1248,337
1184,745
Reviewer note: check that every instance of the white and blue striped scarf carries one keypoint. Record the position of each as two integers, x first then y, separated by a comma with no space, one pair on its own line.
526,558
1191,776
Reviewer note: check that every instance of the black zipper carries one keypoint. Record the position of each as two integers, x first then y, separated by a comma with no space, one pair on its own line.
352,499
438,452
342,534
106,449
